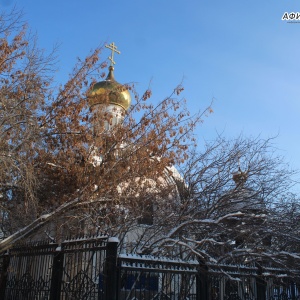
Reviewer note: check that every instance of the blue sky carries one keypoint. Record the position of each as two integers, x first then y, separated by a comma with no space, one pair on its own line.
239,52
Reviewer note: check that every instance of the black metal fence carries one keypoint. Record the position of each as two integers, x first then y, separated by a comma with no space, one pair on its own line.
245,282
72,270
90,269
146,277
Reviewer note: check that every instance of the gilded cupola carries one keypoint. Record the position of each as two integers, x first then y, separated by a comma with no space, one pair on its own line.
109,91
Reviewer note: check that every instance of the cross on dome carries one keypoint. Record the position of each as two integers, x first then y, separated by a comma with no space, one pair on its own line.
113,49
109,91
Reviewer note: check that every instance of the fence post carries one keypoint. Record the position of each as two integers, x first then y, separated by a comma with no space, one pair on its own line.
202,282
110,270
3,275
57,272
293,292
260,284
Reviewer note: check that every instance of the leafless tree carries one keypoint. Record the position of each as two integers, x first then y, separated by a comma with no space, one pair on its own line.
236,206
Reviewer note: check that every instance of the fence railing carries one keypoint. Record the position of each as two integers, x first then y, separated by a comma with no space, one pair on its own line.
71,270
147,277
90,269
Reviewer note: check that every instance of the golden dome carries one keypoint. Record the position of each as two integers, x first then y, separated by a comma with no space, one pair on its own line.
110,91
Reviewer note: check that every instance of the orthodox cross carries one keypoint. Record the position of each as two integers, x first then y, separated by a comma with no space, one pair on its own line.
113,49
